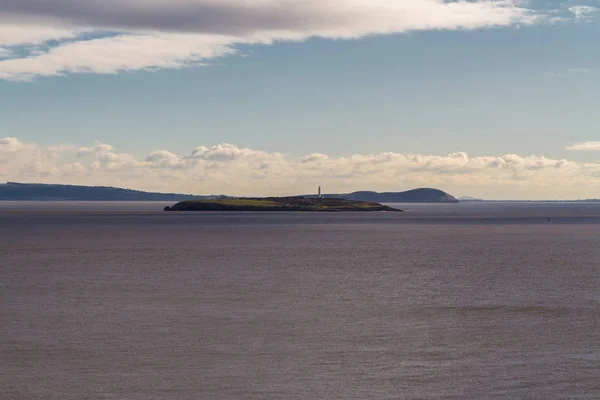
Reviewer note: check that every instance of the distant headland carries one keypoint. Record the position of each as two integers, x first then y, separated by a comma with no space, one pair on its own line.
47,192
316,204
425,195
14,191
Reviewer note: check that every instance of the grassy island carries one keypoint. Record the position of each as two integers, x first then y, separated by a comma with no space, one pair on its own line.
278,204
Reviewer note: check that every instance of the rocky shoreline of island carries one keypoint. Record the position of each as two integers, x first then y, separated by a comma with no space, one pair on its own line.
274,204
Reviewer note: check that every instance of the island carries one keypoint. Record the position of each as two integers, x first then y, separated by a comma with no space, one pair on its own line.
279,204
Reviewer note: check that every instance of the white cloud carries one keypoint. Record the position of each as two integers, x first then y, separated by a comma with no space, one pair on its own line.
587,146
30,34
97,148
164,159
229,169
30,160
11,144
149,34
583,12
117,54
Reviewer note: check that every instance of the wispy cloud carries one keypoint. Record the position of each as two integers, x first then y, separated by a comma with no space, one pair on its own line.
116,54
587,146
148,34
584,12
12,34
229,169
582,70
5,53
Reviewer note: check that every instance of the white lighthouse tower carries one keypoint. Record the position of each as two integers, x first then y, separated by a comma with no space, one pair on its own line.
319,196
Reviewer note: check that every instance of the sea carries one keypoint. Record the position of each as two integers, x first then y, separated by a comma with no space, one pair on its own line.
443,301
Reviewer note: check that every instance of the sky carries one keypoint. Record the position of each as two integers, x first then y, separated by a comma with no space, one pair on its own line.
495,99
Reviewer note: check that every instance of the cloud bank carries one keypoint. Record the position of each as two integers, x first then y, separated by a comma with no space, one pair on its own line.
228,169
338,18
56,37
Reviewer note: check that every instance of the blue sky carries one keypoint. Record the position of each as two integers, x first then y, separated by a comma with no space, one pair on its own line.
519,79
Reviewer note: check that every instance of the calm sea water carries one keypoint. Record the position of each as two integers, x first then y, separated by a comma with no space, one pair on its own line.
469,301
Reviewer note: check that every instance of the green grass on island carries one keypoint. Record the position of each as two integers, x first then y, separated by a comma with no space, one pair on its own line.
238,202
278,204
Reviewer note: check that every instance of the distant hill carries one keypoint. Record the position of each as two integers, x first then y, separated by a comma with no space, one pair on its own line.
424,195
43,192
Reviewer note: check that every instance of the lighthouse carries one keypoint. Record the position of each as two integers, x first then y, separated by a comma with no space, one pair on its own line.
319,195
